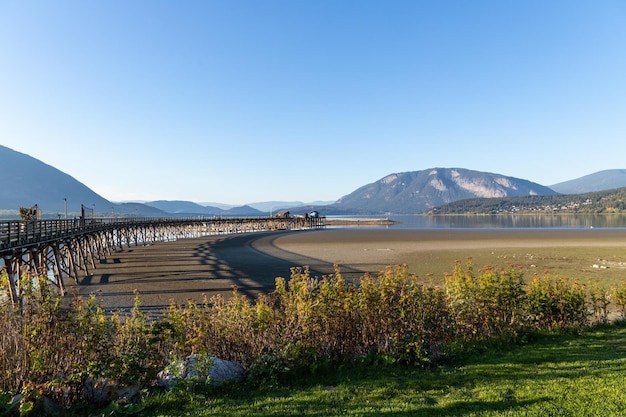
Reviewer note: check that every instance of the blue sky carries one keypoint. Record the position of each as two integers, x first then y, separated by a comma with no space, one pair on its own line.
239,101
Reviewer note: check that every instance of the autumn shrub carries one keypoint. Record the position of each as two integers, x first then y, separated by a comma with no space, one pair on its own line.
30,334
401,316
485,304
555,303
619,298
312,313
598,300
50,351
133,358
304,323
46,350
237,329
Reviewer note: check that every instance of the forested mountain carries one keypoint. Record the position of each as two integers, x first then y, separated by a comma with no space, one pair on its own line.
609,201
27,181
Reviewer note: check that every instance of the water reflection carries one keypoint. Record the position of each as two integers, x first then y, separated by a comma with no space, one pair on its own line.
566,221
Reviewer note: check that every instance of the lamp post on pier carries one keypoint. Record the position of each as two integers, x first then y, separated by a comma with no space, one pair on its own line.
65,206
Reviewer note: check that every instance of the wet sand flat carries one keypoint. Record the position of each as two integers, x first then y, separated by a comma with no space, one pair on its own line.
190,268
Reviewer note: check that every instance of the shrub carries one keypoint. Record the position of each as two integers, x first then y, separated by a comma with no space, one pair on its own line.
133,357
306,323
556,303
235,329
400,316
599,299
486,304
619,297
316,316
30,333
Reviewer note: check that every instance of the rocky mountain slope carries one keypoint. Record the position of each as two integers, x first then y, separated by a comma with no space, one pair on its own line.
418,191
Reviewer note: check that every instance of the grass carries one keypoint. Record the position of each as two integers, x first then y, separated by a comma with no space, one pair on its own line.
575,263
564,375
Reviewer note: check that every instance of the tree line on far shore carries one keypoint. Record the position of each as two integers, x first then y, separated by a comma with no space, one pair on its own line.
599,202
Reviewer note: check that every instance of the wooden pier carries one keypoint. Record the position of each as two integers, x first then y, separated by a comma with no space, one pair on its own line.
60,249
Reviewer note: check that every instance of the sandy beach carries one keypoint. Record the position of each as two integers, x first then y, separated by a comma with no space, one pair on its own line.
190,268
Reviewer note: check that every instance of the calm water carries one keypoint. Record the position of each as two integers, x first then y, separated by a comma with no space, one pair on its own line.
564,221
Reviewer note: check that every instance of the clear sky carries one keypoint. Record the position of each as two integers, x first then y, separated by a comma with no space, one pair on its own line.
236,101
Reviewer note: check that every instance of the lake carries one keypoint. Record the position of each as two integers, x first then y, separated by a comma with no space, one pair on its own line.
515,221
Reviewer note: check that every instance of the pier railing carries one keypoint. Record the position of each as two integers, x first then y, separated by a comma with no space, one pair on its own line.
64,248
21,233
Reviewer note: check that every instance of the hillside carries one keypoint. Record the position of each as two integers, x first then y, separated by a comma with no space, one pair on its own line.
609,201
418,191
28,181
187,208
598,181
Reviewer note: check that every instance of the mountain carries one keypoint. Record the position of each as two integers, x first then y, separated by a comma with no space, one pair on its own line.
270,206
598,181
28,181
418,191
595,202
218,205
136,210
187,208
273,206
243,211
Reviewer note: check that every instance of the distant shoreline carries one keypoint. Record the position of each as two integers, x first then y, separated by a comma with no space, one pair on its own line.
360,222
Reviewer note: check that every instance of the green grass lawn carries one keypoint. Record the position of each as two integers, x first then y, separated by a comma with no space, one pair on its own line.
565,375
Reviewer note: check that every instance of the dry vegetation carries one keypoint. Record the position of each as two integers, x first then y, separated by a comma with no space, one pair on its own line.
50,351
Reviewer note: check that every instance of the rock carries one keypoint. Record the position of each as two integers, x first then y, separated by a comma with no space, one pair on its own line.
223,371
98,391
127,393
50,407
166,379
104,390
200,369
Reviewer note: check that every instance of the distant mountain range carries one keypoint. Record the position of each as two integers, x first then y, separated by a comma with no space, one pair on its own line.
598,181
28,181
188,208
270,206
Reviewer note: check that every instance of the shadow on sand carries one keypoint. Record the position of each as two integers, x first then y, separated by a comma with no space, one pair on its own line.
187,269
